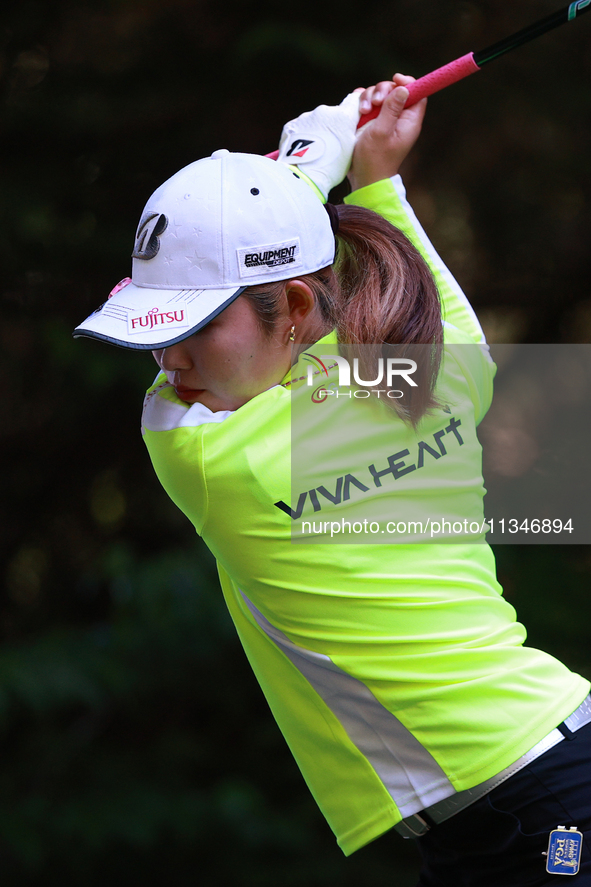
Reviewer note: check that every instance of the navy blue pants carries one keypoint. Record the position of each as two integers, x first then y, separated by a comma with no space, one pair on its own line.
499,840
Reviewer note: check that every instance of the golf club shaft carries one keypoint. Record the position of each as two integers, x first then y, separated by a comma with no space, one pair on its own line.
473,61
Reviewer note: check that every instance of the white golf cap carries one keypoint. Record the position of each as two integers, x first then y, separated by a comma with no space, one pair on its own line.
219,225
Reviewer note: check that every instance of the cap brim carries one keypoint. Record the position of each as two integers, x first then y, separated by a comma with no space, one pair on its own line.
144,319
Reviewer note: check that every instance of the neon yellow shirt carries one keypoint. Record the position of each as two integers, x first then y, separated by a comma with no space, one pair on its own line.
396,672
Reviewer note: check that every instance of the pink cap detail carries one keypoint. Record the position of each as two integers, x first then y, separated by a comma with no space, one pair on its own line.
121,285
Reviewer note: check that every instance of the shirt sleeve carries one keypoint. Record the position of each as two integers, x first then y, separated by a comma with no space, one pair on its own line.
388,199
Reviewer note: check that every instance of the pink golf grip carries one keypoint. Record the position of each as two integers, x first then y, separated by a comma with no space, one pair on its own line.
433,82
424,86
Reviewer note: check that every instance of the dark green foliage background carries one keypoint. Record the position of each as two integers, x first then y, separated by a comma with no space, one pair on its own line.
136,746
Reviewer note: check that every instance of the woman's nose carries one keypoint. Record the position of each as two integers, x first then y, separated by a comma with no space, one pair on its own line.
174,358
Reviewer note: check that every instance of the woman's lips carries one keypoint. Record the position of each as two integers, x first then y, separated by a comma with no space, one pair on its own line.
189,395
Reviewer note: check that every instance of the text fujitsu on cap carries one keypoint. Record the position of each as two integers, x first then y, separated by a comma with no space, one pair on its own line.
219,225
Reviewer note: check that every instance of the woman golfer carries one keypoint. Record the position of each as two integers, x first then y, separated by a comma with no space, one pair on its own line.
315,419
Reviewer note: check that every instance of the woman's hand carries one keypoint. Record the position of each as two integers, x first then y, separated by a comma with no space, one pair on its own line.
383,143
321,142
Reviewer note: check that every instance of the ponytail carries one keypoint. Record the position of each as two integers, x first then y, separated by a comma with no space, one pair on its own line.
378,294
388,298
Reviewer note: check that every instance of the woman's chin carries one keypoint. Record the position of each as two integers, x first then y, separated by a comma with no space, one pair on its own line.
191,395
209,400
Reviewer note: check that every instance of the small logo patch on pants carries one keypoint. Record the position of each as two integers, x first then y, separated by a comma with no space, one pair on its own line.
564,851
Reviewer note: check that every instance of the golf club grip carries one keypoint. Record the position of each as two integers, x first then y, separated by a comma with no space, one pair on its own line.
425,86
433,82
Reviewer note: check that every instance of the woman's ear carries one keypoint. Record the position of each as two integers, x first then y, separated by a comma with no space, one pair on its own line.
301,300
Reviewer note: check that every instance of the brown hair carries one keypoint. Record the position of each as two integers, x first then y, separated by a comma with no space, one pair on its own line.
379,292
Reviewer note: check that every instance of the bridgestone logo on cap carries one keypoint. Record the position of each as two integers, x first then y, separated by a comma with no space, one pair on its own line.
268,258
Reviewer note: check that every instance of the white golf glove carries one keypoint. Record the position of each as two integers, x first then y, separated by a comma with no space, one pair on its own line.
321,142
